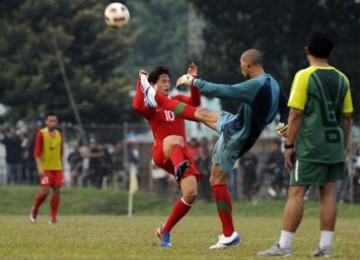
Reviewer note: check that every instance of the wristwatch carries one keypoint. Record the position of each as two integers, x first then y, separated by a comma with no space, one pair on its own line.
288,146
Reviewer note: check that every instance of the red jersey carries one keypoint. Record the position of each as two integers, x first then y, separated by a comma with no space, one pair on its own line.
164,122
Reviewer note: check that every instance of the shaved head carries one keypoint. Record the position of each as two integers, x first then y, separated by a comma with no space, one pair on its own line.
252,57
251,63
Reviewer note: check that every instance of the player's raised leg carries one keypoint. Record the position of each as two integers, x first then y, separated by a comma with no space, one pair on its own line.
198,114
174,150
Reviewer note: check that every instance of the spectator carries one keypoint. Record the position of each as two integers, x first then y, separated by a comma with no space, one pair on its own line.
2,135
132,157
357,159
3,174
344,194
356,176
105,165
75,161
194,148
248,164
12,144
200,153
232,181
274,166
117,162
94,155
132,153
204,166
160,178
30,164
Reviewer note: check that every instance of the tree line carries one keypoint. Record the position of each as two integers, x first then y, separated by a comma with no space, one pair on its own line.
102,63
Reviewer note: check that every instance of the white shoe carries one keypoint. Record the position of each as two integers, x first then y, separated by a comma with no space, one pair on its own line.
149,92
225,242
33,216
276,250
326,252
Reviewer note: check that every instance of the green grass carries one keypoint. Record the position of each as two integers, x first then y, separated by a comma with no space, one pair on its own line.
94,226
119,237
19,199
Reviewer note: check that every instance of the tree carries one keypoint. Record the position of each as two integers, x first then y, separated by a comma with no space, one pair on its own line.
90,52
101,63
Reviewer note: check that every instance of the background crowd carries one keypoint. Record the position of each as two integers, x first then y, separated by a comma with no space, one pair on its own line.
258,174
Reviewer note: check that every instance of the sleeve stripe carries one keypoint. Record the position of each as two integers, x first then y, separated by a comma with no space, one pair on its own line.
295,84
299,88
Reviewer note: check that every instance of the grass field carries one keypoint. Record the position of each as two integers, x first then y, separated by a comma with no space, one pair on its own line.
104,236
119,237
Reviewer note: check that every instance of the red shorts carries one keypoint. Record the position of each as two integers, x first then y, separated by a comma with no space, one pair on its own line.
52,178
161,161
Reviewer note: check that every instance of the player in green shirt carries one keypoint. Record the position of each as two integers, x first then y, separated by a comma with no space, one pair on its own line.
317,136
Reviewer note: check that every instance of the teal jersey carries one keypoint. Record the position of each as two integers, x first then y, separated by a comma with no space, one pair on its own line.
261,99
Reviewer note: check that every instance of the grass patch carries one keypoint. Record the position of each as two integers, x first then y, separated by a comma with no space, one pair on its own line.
19,199
93,226
120,237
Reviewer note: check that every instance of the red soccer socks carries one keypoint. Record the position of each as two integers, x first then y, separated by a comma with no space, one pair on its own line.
39,199
224,207
179,211
54,204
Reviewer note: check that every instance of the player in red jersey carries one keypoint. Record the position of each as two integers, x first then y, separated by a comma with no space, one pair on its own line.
170,150
48,152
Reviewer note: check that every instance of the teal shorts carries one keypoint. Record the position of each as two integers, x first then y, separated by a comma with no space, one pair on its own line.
306,173
227,152
222,157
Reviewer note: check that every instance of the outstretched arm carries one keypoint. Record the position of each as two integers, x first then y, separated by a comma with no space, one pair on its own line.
194,99
243,92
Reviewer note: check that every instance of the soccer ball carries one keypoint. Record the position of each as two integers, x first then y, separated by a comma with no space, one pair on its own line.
116,15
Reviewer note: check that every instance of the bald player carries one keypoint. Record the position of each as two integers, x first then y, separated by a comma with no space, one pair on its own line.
261,99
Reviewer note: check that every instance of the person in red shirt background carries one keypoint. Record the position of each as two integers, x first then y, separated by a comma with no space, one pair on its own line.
48,153
170,151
